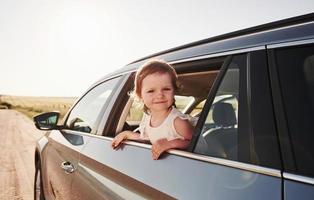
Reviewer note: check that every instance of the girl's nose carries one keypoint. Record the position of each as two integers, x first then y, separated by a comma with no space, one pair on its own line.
160,93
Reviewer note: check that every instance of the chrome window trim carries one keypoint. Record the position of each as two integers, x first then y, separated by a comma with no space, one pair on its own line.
106,79
239,50
128,71
220,161
288,44
229,163
299,178
267,31
225,53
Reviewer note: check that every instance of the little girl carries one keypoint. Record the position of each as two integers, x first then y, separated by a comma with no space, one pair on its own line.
162,123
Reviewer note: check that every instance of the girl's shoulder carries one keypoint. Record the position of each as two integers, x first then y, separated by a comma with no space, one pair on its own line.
182,124
177,113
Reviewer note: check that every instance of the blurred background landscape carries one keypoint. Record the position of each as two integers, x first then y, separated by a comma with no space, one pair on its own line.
32,106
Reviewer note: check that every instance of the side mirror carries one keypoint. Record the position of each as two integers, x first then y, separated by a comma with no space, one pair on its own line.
47,121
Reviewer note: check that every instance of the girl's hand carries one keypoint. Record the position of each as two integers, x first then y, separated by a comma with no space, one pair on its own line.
159,147
162,145
118,139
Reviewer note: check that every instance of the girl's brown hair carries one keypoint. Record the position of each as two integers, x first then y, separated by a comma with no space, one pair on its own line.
151,67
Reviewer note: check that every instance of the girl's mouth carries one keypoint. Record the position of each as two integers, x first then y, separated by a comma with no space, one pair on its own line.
160,102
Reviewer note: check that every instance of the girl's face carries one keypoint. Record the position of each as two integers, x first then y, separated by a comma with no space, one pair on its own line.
157,92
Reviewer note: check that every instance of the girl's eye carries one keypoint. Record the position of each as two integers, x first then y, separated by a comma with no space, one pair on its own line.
150,91
167,89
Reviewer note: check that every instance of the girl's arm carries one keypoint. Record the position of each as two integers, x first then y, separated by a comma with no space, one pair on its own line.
125,135
184,128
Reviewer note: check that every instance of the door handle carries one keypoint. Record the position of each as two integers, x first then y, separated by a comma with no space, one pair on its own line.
68,167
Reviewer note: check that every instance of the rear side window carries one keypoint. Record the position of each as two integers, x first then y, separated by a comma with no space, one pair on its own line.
296,75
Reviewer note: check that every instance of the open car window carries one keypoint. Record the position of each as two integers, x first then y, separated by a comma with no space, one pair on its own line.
135,109
189,99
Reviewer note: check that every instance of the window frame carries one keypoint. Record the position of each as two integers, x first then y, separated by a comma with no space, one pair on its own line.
209,100
108,124
250,124
103,108
243,101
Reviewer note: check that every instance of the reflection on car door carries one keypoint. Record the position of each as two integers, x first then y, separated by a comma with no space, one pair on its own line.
131,173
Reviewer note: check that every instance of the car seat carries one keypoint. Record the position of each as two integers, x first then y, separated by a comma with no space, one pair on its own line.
222,140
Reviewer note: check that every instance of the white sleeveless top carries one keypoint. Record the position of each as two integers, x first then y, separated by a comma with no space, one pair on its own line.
165,129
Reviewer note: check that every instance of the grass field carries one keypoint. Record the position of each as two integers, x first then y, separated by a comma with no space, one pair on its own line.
32,106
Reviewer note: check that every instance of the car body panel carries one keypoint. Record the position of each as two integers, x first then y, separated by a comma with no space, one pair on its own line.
172,175
298,190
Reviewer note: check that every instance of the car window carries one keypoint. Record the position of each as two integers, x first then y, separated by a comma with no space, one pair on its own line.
296,75
183,103
135,114
197,109
188,99
84,115
219,135
239,124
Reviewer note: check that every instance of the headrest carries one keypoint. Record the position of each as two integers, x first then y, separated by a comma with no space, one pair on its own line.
223,114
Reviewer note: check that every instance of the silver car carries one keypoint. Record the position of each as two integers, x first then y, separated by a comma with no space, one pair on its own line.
253,94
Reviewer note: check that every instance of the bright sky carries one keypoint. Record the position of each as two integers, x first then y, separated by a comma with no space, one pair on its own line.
61,47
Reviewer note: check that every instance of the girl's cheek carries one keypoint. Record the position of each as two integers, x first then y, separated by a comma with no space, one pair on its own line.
171,93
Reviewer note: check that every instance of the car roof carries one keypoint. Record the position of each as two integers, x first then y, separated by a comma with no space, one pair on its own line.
291,29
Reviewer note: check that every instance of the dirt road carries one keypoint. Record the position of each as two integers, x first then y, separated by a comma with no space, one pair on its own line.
17,143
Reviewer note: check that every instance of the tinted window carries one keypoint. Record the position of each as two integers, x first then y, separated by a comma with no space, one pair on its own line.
296,76
239,124
219,135
83,116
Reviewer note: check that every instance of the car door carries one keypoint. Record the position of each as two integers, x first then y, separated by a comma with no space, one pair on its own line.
62,152
94,109
240,150
292,69
247,166
60,158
